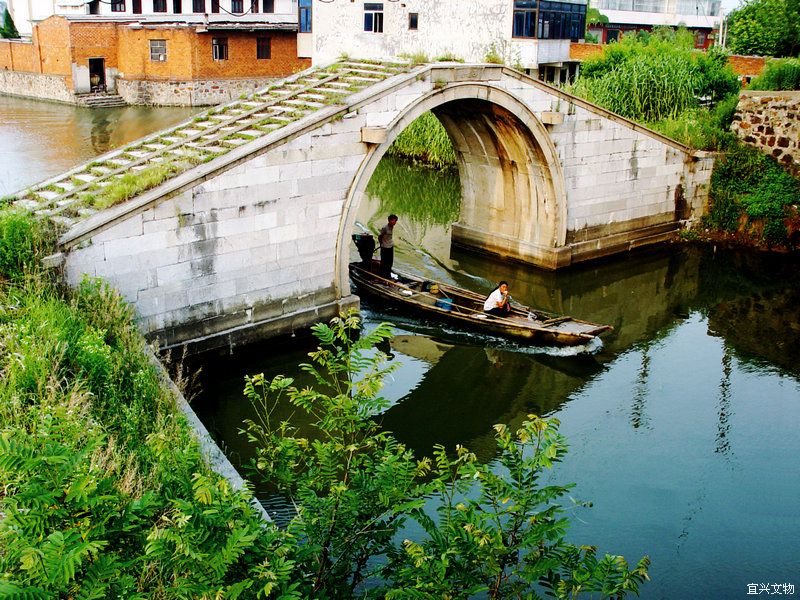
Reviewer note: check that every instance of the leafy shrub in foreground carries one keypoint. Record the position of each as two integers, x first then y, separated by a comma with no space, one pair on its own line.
103,490
497,530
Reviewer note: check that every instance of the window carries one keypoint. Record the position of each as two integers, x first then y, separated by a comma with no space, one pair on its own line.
214,6
549,20
177,7
158,50
263,48
269,6
117,5
253,6
305,16
413,21
160,6
237,6
525,18
199,6
373,17
219,48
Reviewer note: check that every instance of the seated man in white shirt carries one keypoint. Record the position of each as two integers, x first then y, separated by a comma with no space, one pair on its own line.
497,303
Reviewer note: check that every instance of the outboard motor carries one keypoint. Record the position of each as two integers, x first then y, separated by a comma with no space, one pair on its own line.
365,243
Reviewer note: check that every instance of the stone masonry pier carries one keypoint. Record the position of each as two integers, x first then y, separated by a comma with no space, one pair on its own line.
244,228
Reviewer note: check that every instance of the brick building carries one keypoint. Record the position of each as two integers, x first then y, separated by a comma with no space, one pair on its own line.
181,52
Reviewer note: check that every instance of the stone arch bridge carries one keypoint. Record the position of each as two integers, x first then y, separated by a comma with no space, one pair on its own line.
243,224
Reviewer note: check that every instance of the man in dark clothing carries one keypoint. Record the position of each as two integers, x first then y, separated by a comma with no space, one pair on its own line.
387,246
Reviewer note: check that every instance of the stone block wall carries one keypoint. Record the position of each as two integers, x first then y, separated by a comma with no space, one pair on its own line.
187,93
35,85
770,121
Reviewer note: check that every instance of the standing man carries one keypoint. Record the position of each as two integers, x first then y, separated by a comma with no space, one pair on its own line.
387,246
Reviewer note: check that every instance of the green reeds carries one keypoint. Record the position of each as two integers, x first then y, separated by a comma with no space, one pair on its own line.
425,141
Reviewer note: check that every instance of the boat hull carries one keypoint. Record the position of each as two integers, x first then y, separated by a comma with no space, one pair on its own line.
464,308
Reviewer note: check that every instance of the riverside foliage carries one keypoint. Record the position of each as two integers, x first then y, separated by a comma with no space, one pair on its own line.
104,493
494,530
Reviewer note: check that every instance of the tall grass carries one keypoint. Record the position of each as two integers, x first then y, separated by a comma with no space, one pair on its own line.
655,77
779,74
104,491
425,141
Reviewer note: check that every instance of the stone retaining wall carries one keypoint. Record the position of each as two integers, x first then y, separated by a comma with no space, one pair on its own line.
35,85
770,121
187,93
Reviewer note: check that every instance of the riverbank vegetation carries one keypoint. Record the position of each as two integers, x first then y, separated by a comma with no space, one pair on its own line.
104,492
691,97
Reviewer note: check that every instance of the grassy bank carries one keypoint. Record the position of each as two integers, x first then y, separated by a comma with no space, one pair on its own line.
104,492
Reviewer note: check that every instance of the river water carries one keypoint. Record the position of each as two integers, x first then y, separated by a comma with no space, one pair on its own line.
683,426
39,140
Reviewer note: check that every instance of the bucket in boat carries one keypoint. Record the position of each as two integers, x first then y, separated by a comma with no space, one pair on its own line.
445,303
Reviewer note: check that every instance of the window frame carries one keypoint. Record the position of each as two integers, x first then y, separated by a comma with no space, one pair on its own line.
268,7
263,42
413,21
117,5
219,48
159,6
304,16
177,7
199,6
373,17
162,46
237,7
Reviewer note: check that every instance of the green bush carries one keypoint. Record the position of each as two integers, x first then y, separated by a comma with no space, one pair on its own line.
497,531
746,181
104,490
779,74
656,76
697,128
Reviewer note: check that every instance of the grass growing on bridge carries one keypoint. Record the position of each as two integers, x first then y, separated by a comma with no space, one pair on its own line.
130,185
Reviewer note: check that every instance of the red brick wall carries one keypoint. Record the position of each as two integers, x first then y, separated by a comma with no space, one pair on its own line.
94,40
579,51
134,53
189,55
18,56
747,66
51,39
242,60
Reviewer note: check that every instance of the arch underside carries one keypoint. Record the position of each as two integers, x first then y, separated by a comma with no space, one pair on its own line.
507,186
513,202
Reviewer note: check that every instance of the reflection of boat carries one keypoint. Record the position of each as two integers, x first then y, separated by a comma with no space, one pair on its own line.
465,308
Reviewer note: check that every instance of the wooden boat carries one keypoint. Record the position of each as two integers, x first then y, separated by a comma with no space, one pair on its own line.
465,308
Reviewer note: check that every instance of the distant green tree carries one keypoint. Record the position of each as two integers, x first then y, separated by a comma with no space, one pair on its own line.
765,28
9,30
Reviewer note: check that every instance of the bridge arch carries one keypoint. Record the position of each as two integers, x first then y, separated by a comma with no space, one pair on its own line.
513,198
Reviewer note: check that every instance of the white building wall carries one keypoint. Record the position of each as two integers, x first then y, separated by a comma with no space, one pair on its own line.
465,29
